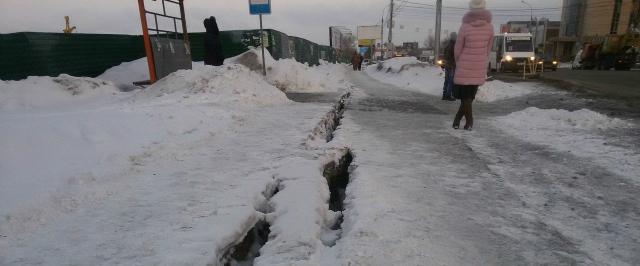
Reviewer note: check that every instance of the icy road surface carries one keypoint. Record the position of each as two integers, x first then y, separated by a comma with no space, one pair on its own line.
425,194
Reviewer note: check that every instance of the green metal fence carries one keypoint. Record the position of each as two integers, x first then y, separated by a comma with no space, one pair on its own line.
50,54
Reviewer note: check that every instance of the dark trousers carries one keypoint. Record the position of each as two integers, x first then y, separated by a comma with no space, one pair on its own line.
447,89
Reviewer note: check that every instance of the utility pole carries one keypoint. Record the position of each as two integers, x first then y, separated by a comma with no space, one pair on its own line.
381,40
532,21
438,29
391,46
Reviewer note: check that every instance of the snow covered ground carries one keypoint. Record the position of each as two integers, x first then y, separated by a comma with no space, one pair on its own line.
411,74
180,172
175,174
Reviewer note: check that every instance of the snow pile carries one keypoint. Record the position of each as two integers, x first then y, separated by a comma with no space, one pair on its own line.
579,133
497,90
564,65
394,65
286,74
82,128
292,76
410,74
129,72
175,173
42,92
229,84
535,118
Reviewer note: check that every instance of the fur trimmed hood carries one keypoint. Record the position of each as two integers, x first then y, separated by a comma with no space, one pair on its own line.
478,17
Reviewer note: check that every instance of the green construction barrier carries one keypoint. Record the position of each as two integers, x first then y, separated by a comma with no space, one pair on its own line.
50,54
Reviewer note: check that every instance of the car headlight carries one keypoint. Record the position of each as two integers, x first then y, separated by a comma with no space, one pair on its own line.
540,62
508,58
440,62
555,62
533,58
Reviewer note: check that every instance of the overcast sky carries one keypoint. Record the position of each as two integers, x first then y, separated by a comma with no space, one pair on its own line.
308,19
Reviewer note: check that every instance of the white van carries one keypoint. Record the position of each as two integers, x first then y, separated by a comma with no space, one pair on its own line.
511,51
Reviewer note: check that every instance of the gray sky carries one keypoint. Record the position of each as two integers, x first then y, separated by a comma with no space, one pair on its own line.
307,19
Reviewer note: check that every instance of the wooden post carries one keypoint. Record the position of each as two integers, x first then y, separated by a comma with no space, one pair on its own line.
147,42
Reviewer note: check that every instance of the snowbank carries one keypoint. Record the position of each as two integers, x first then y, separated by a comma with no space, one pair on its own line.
75,128
497,90
580,133
129,72
411,74
173,174
535,118
43,92
286,74
291,76
228,84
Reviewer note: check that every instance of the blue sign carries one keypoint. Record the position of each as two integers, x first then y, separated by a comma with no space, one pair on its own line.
257,7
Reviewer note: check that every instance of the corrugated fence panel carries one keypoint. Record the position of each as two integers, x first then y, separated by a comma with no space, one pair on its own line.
50,54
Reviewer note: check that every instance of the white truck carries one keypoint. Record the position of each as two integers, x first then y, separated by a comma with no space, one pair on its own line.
510,52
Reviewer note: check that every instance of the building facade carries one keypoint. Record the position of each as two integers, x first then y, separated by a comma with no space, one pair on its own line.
586,20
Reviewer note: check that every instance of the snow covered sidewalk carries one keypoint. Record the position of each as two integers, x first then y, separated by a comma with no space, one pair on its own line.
425,194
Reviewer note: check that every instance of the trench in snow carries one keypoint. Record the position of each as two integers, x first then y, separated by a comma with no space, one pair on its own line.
337,175
246,251
336,171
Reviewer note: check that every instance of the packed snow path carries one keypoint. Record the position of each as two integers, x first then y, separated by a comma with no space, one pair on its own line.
425,194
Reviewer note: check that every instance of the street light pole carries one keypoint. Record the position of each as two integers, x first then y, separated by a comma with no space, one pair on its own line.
531,21
391,46
438,29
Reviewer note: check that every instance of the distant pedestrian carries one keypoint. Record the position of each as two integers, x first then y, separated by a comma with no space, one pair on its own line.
449,66
213,54
355,61
475,38
361,62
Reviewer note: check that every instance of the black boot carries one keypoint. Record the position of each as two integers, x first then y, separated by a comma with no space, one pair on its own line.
468,114
459,114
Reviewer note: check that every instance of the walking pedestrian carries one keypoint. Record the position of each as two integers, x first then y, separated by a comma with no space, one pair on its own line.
213,54
475,38
361,61
449,68
355,61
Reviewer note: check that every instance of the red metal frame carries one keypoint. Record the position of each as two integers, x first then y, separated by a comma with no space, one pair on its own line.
145,32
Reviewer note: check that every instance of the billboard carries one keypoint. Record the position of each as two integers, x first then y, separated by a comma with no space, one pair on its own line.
336,37
366,42
340,37
370,32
